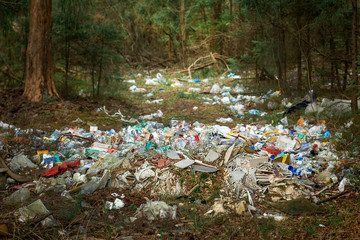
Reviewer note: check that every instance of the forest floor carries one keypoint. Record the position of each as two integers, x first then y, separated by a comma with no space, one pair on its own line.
336,219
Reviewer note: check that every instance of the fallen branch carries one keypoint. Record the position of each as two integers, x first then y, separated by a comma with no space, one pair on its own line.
13,175
215,62
211,59
84,138
191,190
189,68
181,80
322,190
332,197
76,189
38,219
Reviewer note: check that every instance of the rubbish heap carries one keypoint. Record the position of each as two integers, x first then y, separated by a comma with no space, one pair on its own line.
252,163
269,162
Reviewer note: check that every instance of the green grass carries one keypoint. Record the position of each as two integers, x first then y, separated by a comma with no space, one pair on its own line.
191,95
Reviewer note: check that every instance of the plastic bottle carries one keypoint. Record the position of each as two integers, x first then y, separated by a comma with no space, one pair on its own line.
90,186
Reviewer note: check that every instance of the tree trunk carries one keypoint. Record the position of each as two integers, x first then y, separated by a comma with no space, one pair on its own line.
67,42
281,52
299,70
346,65
67,62
23,53
204,30
48,60
34,82
256,71
183,33
99,79
332,69
337,77
283,61
39,57
280,58
276,52
231,8
299,51
215,43
354,104
308,60
93,80
169,46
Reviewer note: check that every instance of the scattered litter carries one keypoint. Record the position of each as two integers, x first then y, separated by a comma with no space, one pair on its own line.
283,163
157,101
20,162
117,204
217,208
204,168
173,155
31,211
184,163
156,210
195,90
158,114
215,89
17,197
133,88
275,216
212,156
342,184
225,120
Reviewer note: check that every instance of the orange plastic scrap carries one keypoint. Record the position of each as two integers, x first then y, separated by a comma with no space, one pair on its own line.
40,152
300,122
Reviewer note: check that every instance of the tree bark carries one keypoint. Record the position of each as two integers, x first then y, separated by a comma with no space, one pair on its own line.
299,69
48,60
183,33
280,58
34,82
346,65
283,60
332,69
256,71
354,104
299,51
93,80
39,57
99,78
277,53
215,43
308,60
169,47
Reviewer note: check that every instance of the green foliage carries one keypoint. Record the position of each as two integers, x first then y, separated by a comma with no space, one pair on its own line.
13,30
95,39
244,60
85,38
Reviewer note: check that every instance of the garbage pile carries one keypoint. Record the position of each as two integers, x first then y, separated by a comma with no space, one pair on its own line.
276,163
290,167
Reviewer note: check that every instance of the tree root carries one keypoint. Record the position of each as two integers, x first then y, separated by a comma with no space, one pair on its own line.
13,175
